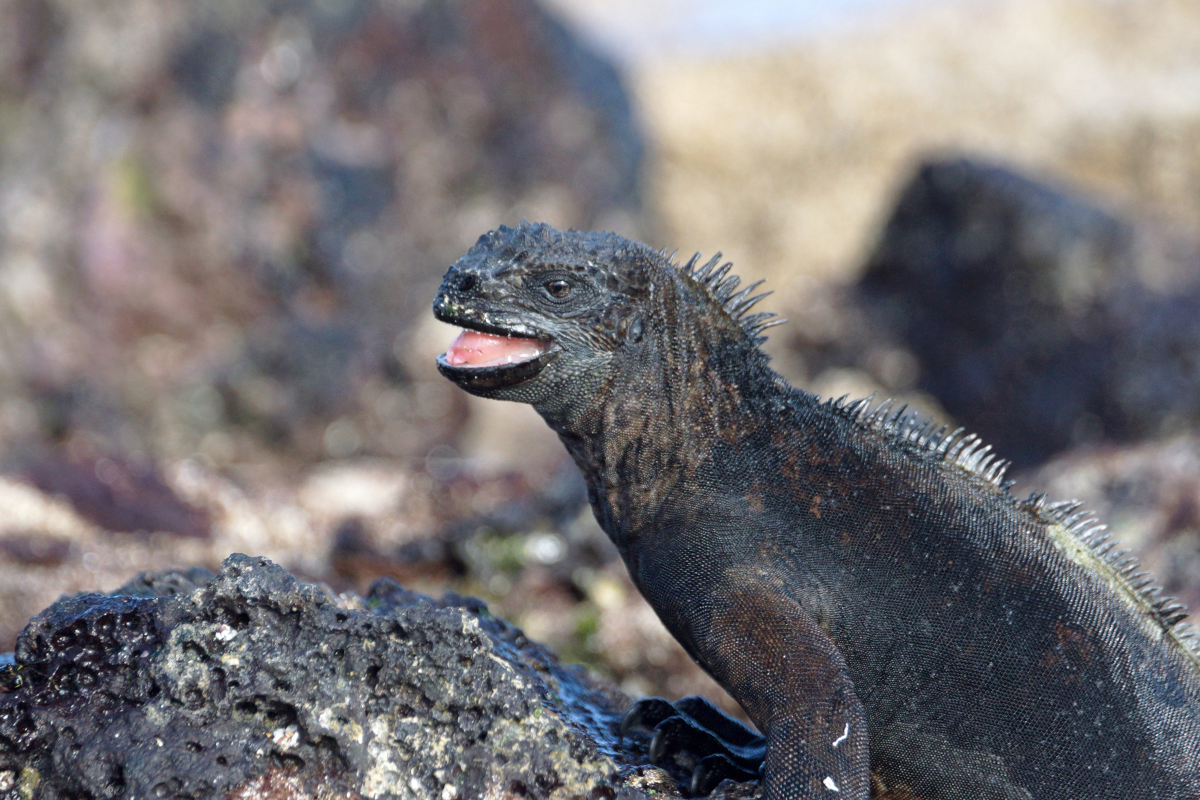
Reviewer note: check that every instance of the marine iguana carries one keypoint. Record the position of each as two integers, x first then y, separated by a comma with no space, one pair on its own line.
892,618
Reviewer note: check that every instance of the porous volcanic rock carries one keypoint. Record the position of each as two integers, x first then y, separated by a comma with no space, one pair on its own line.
252,683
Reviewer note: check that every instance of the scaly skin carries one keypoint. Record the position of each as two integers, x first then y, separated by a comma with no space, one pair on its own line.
889,616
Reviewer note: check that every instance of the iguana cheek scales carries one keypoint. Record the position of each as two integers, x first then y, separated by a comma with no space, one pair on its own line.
862,582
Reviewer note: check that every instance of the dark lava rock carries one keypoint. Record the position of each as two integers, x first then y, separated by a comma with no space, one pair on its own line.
1038,319
34,549
251,683
118,495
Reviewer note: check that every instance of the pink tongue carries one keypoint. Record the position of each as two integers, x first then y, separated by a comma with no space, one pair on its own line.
484,350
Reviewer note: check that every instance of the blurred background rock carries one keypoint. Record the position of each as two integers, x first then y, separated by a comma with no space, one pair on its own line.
223,224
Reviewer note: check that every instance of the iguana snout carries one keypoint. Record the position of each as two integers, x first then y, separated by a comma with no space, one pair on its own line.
494,350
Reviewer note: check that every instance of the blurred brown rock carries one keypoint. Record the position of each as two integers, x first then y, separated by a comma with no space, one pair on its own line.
35,549
118,496
222,222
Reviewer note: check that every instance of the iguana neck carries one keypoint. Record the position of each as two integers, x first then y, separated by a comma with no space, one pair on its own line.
654,422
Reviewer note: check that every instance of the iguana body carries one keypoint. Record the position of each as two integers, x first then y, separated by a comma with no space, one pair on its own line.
865,586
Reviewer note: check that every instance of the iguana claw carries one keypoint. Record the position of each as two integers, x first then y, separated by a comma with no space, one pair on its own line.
646,714
694,735
714,769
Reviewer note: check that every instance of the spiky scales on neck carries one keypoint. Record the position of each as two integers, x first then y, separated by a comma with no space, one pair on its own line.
720,287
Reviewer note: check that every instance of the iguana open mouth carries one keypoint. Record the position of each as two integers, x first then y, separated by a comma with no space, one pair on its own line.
476,349
479,359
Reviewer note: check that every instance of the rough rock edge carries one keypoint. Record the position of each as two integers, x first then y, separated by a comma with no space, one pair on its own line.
251,683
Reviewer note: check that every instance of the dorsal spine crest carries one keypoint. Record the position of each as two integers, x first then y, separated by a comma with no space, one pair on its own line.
714,279
926,439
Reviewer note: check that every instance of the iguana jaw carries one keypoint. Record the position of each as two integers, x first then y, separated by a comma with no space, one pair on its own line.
506,355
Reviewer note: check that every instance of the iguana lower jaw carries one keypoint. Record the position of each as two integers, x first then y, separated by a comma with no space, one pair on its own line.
490,355
495,376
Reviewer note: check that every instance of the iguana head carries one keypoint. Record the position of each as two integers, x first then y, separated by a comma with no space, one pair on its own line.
551,316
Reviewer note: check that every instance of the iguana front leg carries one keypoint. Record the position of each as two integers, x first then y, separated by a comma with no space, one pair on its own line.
775,660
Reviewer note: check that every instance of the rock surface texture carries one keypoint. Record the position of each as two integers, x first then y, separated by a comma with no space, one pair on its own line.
250,683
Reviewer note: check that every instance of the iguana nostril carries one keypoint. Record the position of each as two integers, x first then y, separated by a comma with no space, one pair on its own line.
467,282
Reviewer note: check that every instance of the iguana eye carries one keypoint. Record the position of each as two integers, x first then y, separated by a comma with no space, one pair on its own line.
558,288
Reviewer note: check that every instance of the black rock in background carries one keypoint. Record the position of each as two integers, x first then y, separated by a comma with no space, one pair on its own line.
1038,320
185,684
